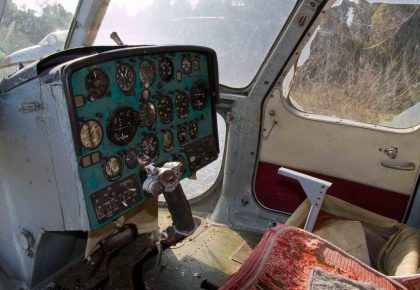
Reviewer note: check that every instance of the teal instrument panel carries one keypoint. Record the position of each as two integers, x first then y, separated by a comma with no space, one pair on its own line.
159,101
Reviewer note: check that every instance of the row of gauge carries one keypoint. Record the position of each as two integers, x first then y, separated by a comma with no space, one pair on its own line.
91,134
97,80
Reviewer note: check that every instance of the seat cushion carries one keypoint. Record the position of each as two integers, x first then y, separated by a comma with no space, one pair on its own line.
286,258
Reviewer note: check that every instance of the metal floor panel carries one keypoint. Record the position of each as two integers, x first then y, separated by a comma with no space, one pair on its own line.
205,255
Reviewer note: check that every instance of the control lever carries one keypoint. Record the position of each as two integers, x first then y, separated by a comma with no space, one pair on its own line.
164,180
160,179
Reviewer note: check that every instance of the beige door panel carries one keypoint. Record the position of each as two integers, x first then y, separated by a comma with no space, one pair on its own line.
345,151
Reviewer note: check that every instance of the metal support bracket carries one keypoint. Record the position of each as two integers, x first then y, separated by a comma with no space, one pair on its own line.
315,189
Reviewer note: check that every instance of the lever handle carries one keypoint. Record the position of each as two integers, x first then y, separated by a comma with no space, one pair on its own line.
402,165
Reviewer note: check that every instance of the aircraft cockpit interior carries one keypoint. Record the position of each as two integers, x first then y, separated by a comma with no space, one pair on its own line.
196,144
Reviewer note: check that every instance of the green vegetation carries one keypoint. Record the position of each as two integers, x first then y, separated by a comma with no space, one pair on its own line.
20,28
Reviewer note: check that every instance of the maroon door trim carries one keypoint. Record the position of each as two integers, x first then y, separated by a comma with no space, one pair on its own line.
284,194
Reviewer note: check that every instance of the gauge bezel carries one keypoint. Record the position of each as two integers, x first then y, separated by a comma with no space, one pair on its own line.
157,147
105,161
185,95
166,149
129,91
166,79
194,87
155,115
154,70
107,89
171,103
133,129
102,134
189,59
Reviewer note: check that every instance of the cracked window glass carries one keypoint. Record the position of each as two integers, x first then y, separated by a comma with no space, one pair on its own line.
240,31
361,64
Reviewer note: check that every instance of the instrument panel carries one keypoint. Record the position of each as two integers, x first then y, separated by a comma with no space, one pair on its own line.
159,101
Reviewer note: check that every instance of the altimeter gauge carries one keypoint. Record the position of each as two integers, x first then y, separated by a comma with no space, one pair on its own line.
91,134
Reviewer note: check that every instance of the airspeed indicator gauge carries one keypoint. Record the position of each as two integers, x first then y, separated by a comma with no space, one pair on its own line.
97,83
126,78
91,134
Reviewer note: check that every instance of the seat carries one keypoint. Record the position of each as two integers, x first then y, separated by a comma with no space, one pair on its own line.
291,258
393,247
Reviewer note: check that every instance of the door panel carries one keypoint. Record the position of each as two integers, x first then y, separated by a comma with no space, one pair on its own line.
285,194
349,155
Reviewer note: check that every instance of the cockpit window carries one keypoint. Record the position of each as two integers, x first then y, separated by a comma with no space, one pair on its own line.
30,30
240,31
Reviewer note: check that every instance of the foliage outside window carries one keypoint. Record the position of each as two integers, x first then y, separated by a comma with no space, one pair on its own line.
362,64
30,30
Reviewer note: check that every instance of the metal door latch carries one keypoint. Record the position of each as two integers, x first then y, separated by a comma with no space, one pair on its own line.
391,152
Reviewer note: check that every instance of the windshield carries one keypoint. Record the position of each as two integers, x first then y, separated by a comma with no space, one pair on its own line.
240,31
30,30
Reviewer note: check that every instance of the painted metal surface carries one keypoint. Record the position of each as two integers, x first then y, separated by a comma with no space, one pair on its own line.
237,205
43,187
315,189
92,177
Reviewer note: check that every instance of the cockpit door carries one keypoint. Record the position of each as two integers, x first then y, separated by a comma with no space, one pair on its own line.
348,111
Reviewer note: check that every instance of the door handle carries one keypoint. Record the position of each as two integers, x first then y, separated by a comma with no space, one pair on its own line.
402,165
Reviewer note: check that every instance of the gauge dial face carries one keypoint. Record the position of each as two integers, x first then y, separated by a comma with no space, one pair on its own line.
165,109
126,78
193,129
181,105
168,140
91,134
97,83
113,168
147,114
166,69
131,158
182,135
121,127
147,73
186,65
199,95
150,146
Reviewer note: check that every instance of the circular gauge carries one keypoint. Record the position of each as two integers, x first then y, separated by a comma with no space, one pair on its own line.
168,140
165,109
126,78
166,69
97,83
193,130
147,114
113,168
121,126
147,73
150,146
131,158
186,65
196,64
199,95
182,135
91,134
181,105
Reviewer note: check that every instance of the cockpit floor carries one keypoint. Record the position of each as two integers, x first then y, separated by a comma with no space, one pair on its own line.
207,254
